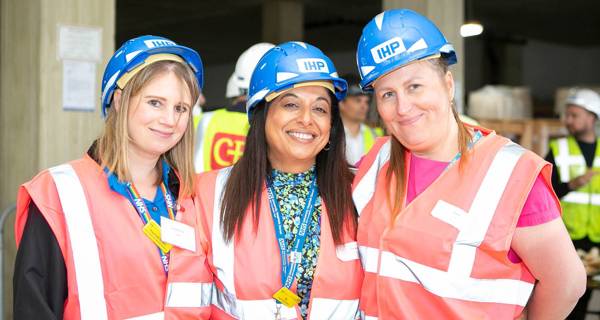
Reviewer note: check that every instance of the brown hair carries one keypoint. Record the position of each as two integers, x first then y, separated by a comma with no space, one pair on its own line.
245,184
396,176
113,144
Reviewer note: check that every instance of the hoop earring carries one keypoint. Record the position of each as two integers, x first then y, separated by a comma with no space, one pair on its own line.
327,146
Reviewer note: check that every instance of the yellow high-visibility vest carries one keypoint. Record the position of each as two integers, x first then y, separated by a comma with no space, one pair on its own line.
220,139
581,207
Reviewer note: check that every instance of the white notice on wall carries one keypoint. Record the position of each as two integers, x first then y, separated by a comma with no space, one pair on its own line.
79,85
79,43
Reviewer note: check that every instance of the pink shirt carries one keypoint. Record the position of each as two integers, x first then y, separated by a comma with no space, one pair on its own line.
539,208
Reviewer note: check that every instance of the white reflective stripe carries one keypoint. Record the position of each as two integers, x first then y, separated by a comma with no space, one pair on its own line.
366,187
249,309
188,294
449,213
223,255
482,210
456,283
226,302
200,141
347,251
439,282
153,316
581,198
564,160
88,271
561,159
363,316
369,258
322,308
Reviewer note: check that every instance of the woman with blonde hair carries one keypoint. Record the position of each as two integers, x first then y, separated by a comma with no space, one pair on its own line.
95,235
456,222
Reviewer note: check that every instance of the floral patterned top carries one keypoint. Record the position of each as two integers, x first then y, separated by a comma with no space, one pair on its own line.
292,192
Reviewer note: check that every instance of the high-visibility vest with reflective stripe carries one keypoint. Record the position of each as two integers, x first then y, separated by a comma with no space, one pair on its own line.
220,139
113,270
446,254
247,270
581,207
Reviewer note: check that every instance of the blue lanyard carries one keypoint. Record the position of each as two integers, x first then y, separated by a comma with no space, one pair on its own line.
478,135
142,210
288,269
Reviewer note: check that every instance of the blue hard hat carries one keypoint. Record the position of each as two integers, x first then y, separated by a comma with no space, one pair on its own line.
395,38
290,63
134,52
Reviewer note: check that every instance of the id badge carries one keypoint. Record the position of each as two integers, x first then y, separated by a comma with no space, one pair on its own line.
178,234
286,297
152,231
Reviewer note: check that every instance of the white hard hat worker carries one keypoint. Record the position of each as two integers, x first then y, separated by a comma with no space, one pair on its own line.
581,112
239,81
585,98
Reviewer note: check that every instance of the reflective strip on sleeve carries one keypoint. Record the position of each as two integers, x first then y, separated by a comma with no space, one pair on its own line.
189,294
363,192
88,271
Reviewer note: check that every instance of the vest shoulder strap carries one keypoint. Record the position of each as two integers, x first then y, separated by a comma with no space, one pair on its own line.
90,284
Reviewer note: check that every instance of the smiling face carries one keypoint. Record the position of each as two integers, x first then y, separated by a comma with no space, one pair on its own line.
297,127
158,115
414,102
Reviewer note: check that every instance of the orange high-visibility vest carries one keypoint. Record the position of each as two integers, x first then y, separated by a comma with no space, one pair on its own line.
113,270
247,270
445,255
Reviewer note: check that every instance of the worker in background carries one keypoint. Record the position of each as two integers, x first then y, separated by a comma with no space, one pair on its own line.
221,134
575,180
89,231
353,110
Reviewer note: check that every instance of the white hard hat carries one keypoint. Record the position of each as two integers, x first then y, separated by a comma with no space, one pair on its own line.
585,98
245,66
232,89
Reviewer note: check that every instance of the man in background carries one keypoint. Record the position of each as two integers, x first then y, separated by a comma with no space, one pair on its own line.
221,134
576,159
353,111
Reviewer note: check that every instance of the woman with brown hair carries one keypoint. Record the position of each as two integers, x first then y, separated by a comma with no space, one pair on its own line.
93,234
456,222
280,224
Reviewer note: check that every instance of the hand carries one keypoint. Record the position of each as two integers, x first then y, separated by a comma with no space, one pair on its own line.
582,180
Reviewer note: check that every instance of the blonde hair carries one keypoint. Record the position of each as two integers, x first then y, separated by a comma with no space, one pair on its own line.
113,144
396,176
